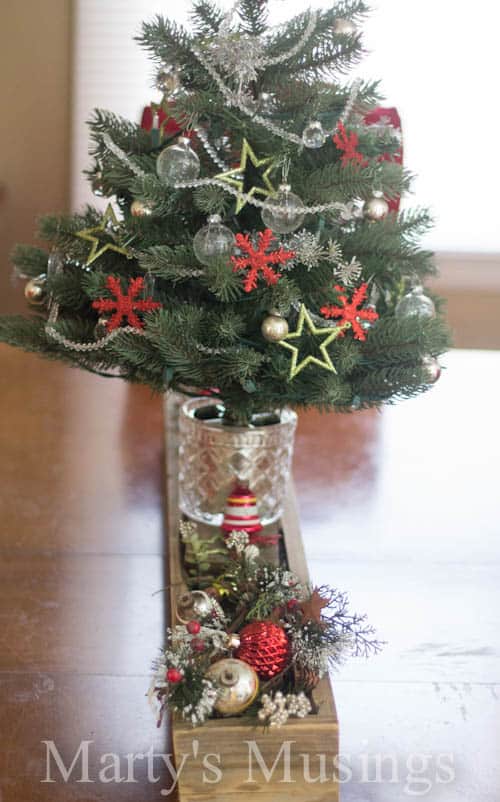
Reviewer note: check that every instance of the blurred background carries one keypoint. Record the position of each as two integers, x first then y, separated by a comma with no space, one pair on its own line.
434,61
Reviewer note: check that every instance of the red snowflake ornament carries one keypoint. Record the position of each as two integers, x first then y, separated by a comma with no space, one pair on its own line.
348,143
258,261
125,307
350,312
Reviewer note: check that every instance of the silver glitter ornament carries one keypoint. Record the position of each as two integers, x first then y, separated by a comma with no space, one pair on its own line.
308,249
237,685
178,163
213,242
376,208
415,304
314,135
284,212
35,291
432,369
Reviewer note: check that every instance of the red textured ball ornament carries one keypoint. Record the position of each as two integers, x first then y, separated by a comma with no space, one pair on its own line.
265,647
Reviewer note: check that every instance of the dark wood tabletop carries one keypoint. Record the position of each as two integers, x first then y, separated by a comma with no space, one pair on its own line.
400,508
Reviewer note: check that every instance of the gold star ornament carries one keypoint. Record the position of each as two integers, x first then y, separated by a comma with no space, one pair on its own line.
92,235
246,177
328,334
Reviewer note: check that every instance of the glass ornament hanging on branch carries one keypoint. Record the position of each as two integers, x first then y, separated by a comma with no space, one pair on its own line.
415,304
284,212
213,242
178,163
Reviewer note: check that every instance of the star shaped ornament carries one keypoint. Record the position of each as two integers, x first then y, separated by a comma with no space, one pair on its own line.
311,609
249,178
328,335
92,235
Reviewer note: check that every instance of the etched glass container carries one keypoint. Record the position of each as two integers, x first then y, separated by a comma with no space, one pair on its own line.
213,456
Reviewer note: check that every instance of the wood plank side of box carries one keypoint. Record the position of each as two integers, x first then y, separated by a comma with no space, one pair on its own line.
228,759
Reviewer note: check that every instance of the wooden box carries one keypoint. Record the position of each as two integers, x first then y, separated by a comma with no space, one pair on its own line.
226,759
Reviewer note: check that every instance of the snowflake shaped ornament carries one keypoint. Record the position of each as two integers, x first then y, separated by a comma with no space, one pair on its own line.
257,261
348,273
125,307
350,312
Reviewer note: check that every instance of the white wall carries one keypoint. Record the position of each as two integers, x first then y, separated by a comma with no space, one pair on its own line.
437,63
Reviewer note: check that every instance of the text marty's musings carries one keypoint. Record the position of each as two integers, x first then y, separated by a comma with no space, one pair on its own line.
417,773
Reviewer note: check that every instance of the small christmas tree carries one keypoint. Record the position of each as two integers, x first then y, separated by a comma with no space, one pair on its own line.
259,254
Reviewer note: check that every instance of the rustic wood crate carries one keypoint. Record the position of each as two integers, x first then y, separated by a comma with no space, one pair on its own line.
247,753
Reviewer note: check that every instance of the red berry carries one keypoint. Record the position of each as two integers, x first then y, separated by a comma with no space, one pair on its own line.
292,604
174,675
198,645
193,627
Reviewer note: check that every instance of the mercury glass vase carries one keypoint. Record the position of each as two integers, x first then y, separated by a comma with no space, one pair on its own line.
213,456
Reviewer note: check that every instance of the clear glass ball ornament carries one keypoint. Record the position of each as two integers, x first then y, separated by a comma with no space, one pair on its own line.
213,242
140,208
284,212
432,369
101,328
376,208
178,163
97,185
314,135
168,81
55,263
415,304
266,103
344,27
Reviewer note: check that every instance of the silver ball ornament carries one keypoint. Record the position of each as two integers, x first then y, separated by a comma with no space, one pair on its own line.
178,163
213,242
35,291
193,605
274,328
344,27
376,208
432,369
237,685
140,208
284,212
314,135
415,304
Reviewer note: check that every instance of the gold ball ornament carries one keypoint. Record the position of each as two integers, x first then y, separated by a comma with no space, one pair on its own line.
35,292
140,208
344,27
237,685
274,328
193,605
376,208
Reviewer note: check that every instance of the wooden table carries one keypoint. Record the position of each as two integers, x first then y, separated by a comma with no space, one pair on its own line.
401,509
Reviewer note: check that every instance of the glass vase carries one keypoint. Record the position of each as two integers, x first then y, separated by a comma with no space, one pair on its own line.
214,456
